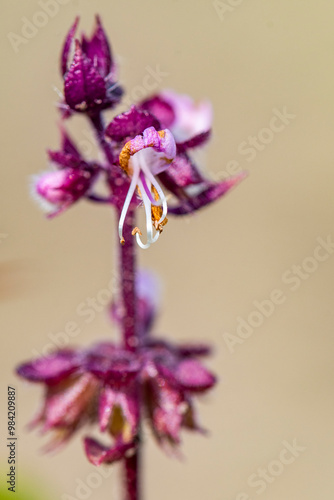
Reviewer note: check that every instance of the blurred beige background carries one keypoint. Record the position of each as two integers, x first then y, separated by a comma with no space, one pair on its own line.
277,384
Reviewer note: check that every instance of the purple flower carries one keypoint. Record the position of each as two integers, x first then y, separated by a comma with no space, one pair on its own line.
142,158
153,144
184,118
70,179
90,79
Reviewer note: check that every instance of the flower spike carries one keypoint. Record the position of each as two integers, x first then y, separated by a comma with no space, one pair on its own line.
146,150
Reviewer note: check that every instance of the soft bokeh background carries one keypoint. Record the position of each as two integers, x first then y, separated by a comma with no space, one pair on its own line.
278,384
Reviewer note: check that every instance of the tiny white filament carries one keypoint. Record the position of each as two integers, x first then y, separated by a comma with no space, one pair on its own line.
149,225
132,188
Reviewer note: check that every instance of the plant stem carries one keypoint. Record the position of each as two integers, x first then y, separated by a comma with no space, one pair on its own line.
98,125
130,337
127,272
132,476
128,288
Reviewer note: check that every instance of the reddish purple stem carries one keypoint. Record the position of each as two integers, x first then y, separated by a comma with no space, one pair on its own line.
130,337
127,278
128,291
132,477
98,125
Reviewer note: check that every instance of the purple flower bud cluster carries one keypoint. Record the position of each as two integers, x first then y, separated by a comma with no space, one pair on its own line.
111,387
148,149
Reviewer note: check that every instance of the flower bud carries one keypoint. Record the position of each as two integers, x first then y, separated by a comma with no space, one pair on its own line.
89,79
61,188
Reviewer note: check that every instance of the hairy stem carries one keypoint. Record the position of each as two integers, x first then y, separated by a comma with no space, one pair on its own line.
130,337
132,476
98,125
127,274
127,280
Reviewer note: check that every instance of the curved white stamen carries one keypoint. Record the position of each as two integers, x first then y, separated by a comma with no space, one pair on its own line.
132,188
144,179
160,192
149,225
